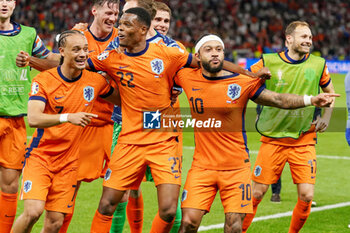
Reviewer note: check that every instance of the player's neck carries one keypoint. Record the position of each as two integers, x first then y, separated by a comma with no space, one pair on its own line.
137,47
6,25
97,32
294,55
69,72
151,33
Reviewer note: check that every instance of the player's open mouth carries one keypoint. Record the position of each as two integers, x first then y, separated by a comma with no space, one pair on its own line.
80,62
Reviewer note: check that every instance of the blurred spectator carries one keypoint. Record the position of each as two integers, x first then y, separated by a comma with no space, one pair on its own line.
249,27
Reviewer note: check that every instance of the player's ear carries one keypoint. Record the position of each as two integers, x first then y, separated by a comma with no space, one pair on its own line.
197,56
289,39
61,49
93,10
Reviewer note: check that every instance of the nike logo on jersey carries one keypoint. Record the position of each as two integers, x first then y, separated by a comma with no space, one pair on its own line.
92,51
244,205
6,216
196,89
312,177
69,206
123,67
177,176
57,98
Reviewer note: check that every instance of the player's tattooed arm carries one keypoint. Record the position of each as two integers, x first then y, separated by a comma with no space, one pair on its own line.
292,101
38,119
263,73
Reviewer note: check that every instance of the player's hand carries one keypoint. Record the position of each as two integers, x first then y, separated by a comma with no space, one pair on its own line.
323,100
81,118
263,73
175,92
22,59
80,26
105,75
321,124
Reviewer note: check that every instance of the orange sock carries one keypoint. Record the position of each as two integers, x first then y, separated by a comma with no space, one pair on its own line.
249,217
161,226
8,208
134,212
66,222
101,223
300,213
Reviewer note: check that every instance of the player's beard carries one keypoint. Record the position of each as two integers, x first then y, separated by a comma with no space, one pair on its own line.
206,65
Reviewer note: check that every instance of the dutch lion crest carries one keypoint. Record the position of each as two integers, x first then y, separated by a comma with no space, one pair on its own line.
234,91
89,93
157,66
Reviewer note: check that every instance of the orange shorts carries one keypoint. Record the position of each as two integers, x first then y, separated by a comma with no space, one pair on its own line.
272,158
13,138
234,187
94,152
58,190
128,165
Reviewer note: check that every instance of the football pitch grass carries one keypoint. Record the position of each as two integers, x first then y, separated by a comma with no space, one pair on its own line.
332,187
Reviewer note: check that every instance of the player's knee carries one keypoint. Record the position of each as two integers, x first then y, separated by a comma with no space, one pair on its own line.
235,227
259,190
188,225
33,214
307,197
53,225
10,187
107,206
168,213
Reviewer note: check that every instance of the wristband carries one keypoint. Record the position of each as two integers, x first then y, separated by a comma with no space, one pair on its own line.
64,118
307,100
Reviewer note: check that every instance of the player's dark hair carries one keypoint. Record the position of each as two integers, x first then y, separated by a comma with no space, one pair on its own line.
142,15
148,5
101,2
293,25
161,6
63,39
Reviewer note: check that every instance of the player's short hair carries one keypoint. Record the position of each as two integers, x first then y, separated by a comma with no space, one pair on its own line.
142,15
62,41
161,6
293,25
101,2
147,5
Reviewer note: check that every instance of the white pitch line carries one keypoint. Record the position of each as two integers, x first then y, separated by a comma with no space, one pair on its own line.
279,215
255,152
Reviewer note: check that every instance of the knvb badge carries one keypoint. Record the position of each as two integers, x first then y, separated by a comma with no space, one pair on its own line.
151,120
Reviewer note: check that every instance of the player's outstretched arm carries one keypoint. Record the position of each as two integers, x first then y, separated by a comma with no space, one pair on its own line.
292,101
52,60
38,119
263,73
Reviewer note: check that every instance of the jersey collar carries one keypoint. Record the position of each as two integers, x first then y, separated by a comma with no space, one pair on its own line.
139,53
66,79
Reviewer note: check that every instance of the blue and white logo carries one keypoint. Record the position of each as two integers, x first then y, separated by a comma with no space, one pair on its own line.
27,186
151,120
157,66
257,171
89,93
108,174
234,91
103,55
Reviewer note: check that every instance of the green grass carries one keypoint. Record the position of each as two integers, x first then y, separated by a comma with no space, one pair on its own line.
332,186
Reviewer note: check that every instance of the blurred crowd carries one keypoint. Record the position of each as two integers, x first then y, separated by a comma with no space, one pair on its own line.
248,27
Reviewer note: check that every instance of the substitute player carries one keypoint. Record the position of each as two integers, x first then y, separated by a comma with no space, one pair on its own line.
63,94
224,167
14,86
291,136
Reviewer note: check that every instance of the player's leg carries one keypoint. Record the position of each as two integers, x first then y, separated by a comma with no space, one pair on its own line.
32,212
233,222
13,139
267,170
166,166
134,210
178,218
119,215
302,161
276,191
53,222
191,219
103,217
197,197
126,170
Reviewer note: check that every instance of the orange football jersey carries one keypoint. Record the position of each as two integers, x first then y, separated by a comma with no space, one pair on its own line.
145,80
223,100
305,138
102,107
58,145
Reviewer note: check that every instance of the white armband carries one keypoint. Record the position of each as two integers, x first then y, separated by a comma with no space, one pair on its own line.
64,118
307,100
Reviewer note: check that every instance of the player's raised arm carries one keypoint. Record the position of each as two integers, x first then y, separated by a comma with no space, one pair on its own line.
292,101
38,119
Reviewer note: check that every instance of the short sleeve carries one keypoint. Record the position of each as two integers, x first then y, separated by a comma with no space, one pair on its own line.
104,88
101,61
38,89
178,59
257,86
326,78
